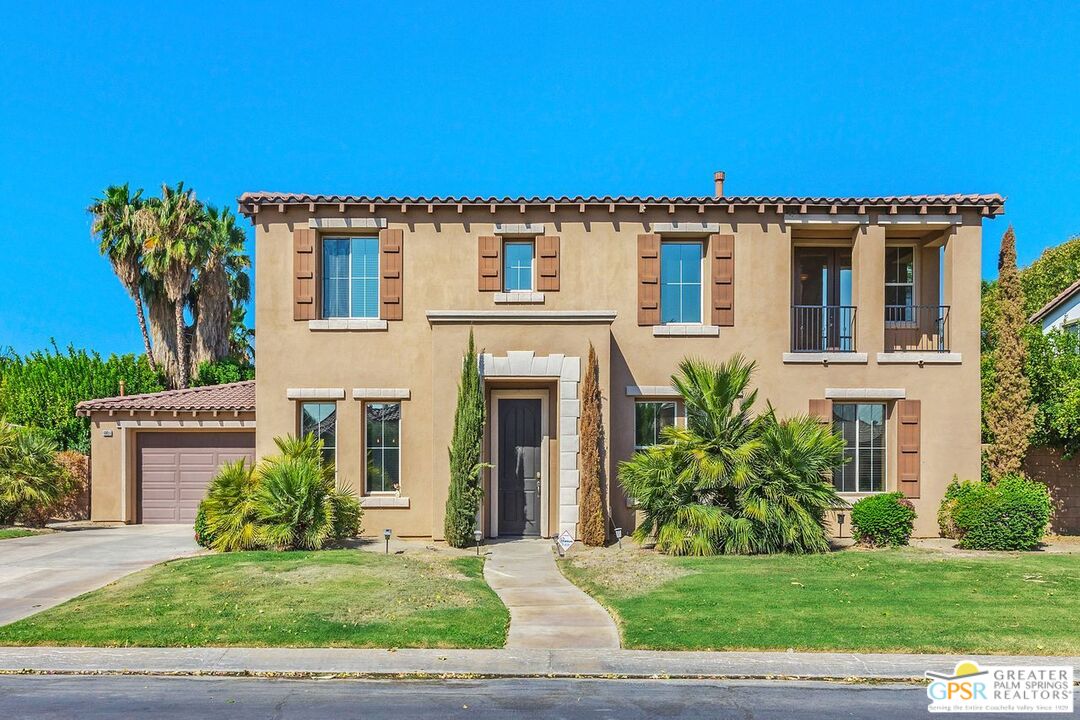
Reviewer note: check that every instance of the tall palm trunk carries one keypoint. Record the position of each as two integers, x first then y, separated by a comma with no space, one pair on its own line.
163,332
181,343
214,311
141,314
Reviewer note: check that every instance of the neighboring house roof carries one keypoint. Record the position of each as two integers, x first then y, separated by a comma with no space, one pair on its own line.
1063,297
990,205
230,396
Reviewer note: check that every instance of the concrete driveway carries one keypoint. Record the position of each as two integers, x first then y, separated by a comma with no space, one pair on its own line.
41,571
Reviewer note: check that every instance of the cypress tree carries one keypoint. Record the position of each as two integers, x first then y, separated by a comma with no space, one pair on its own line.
593,529
465,449
1010,415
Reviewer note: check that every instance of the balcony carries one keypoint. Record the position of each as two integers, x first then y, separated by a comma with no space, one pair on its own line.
823,328
916,328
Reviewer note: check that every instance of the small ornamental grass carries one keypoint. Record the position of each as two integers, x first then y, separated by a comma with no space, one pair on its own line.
1012,514
884,520
289,502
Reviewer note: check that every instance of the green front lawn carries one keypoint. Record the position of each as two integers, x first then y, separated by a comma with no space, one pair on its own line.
903,600
9,533
330,598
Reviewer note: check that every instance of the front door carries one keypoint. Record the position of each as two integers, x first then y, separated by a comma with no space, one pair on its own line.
518,466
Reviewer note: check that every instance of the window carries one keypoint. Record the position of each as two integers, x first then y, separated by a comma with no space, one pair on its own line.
518,266
863,428
383,428
350,271
680,282
900,284
1072,328
320,419
651,417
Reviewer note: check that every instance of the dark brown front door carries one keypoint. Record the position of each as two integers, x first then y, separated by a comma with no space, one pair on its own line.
518,466
174,469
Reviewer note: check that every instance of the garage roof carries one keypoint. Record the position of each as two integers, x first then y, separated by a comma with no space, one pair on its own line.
229,396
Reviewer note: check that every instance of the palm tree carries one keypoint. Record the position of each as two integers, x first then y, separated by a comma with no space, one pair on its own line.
730,481
221,285
241,337
114,223
31,481
173,236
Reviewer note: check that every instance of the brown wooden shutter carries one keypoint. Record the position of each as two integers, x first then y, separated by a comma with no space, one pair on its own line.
822,411
723,279
390,267
908,458
490,265
303,274
648,275
547,253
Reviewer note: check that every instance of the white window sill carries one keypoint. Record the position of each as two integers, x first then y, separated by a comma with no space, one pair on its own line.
347,324
519,298
383,501
919,358
825,358
686,330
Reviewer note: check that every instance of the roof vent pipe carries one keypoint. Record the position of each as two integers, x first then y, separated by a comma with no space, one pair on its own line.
121,388
718,178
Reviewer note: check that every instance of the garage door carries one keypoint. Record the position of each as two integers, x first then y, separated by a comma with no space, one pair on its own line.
174,469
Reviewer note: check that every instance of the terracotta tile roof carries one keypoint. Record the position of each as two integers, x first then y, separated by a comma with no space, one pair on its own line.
230,396
249,202
1053,304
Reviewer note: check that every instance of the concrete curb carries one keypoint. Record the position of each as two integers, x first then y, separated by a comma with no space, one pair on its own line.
504,663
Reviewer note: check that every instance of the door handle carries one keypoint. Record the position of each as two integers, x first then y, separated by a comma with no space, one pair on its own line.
539,482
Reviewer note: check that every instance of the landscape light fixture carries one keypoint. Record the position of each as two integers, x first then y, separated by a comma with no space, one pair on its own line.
386,537
840,522
618,536
478,536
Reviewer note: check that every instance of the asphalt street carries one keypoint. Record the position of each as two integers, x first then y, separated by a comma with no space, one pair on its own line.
165,698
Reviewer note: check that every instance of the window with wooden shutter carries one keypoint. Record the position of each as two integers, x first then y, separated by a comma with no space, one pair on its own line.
490,264
547,263
908,443
390,270
723,279
821,410
303,274
648,279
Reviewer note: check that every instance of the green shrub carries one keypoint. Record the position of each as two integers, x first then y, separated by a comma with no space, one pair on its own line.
466,453
884,520
222,371
32,482
947,510
288,502
1010,515
42,389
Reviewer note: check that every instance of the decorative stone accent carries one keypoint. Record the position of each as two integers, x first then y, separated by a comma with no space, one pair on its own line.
340,223
519,298
348,324
525,363
519,228
691,228
686,330
651,391
383,501
865,393
826,358
919,358
380,393
315,393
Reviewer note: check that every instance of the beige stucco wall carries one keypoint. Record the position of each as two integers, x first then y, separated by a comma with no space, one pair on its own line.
113,445
598,272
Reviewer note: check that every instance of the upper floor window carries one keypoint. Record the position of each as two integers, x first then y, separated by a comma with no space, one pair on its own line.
650,418
518,266
680,282
383,442
320,419
863,428
899,284
350,269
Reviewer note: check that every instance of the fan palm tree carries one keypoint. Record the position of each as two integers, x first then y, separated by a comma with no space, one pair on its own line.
114,224
172,231
730,481
31,481
222,284
241,337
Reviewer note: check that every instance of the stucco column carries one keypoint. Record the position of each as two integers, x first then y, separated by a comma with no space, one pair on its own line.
868,266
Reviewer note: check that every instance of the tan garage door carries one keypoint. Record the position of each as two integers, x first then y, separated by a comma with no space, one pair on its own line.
174,469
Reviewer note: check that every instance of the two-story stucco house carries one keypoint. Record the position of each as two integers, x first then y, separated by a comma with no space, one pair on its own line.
861,310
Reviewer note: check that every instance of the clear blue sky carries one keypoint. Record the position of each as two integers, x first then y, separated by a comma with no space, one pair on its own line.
515,98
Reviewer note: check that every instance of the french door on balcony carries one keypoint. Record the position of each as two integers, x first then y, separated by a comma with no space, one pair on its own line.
822,314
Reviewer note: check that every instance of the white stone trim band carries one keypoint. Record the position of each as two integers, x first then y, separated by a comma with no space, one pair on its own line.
837,358
521,316
383,501
380,393
865,393
519,228
351,223
519,298
919,358
651,391
315,393
686,330
347,324
689,228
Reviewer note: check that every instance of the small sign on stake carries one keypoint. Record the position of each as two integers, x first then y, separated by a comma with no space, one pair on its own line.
565,541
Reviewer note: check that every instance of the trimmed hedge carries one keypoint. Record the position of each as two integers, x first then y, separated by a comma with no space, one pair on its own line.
885,520
1010,515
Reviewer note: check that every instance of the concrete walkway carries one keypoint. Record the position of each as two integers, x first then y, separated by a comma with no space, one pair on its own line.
608,663
547,611
41,571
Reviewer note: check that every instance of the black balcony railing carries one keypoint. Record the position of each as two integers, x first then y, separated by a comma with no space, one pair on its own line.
916,328
822,328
